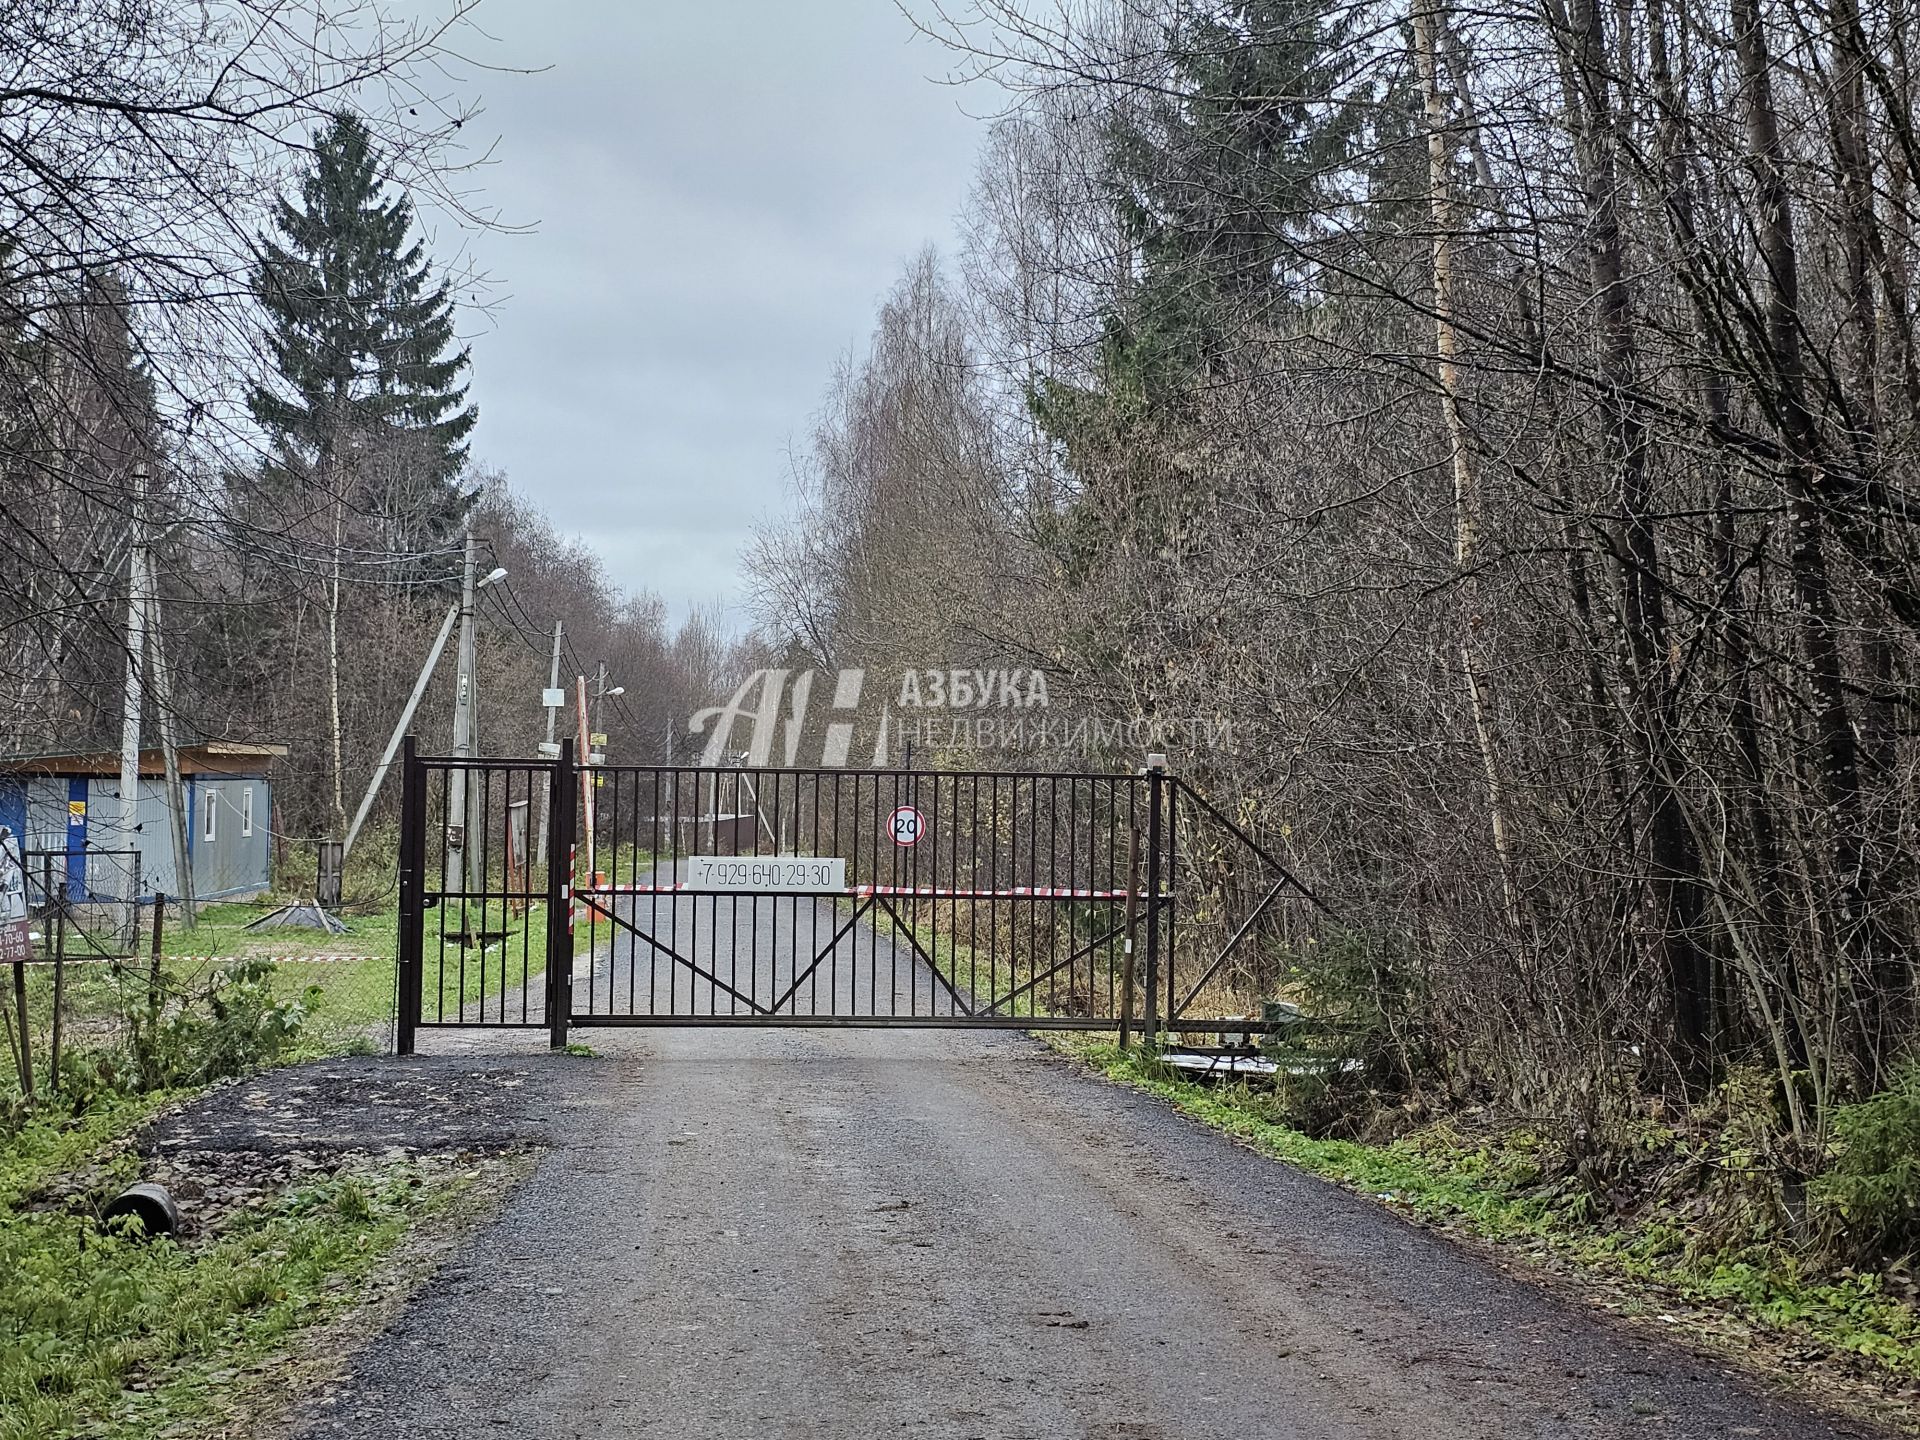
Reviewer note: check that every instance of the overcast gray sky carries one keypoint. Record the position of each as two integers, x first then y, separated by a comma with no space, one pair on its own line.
722,192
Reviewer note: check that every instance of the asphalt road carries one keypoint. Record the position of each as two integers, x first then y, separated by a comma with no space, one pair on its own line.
790,1233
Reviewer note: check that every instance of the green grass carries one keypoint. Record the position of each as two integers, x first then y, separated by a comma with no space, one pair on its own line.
350,1000
1494,1198
456,976
355,995
84,1315
43,1148
359,994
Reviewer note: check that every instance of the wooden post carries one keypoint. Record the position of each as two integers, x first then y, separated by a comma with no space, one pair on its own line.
60,987
153,966
26,1033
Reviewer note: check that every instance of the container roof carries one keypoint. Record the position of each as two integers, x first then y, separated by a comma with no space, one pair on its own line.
208,757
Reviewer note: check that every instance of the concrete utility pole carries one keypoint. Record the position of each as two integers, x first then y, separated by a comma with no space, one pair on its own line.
170,753
458,781
126,827
399,730
462,856
549,749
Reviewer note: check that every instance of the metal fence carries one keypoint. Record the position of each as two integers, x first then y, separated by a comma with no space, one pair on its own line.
661,895
102,921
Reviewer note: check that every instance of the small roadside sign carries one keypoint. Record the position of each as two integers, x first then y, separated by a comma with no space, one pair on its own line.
552,697
16,939
906,825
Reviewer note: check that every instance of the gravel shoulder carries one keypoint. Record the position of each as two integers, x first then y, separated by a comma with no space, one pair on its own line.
831,1233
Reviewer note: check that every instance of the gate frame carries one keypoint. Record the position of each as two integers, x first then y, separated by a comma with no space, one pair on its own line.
1153,905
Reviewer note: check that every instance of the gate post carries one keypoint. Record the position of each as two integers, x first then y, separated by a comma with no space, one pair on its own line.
413,914
1156,791
564,798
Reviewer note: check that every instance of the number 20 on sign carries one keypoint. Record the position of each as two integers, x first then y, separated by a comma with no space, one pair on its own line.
906,825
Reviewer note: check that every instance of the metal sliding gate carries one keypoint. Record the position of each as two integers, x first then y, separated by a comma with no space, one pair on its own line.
545,894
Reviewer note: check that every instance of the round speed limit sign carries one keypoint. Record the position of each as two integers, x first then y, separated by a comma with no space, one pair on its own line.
906,825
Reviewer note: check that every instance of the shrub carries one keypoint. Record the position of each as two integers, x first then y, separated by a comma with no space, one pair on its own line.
1871,1196
236,1025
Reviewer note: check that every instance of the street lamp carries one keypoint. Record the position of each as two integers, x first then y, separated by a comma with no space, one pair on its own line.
601,690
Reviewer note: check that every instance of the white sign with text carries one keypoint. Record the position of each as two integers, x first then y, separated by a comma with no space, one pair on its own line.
775,873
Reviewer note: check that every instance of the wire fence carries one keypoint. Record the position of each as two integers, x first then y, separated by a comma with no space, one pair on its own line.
124,992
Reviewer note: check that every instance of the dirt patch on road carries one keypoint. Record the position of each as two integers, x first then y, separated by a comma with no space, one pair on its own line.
267,1134
453,1136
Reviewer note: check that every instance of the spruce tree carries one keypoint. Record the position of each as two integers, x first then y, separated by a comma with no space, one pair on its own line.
362,338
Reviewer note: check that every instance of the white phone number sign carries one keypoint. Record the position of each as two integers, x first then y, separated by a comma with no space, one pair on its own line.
765,872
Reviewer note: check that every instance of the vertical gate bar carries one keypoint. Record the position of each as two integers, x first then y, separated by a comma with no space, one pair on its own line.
626,836
752,798
993,884
482,853
565,798
1073,801
1156,779
777,820
1105,882
636,880
913,857
589,878
813,922
850,847
1171,960
874,877
1130,911
699,778
407,950
733,901
753,789
673,904
526,878
655,855
464,934
953,901
1098,912
440,910
713,901
1033,891
526,885
973,886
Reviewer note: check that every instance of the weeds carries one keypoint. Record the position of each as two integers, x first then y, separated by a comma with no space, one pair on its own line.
1521,1187
85,1314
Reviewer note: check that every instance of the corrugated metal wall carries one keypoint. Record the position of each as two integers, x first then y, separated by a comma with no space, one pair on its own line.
234,862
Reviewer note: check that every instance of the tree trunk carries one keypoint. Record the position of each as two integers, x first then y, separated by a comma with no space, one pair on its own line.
1866,950
1466,492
